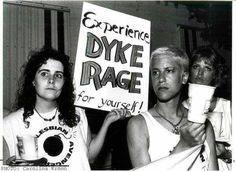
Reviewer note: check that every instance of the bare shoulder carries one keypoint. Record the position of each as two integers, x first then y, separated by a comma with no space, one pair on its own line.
137,125
136,121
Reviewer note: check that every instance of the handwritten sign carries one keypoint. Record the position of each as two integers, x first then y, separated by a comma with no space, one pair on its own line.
112,60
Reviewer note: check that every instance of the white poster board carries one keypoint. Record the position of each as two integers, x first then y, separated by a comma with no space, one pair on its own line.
112,60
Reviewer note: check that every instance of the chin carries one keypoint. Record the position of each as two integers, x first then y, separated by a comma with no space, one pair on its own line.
163,98
52,98
167,97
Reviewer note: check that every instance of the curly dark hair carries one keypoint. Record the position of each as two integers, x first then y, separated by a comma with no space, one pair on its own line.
26,94
216,60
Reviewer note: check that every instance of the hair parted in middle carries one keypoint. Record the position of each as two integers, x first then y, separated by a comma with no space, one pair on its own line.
26,94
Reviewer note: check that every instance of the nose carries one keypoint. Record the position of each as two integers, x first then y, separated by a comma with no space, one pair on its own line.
162,77
200,73
51,80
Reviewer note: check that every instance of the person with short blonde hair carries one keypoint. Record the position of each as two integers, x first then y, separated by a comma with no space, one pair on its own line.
164,130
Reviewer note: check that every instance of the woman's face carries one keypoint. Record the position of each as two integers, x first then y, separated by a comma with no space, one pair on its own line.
167,77
202,72
49,80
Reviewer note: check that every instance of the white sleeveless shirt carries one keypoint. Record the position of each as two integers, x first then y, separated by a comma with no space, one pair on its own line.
162,141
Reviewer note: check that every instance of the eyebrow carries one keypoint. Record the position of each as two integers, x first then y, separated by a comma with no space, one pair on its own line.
164,67
49,71
206,63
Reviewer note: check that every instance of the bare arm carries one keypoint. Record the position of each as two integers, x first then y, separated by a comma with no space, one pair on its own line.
137,139
95,144
210,138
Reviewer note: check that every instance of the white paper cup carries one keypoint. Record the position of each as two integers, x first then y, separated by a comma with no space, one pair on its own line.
216,121
27,147
199,100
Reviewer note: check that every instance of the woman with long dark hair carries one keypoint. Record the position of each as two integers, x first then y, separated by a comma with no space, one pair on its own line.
46,128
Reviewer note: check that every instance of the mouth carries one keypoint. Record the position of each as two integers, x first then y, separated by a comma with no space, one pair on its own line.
53,89
199,80
162,88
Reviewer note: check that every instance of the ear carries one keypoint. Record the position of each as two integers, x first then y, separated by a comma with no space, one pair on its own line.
33,82
185,77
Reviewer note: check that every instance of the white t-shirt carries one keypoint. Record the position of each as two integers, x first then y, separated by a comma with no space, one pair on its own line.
60,144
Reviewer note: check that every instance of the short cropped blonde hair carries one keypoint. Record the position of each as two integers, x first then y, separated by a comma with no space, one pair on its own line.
174,52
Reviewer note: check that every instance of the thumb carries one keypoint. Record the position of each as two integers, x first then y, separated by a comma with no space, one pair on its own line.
128,114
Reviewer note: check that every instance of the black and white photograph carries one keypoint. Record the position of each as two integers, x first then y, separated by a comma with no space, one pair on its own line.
117,85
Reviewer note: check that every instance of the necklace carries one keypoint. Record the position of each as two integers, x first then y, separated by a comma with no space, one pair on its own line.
175,129
46,119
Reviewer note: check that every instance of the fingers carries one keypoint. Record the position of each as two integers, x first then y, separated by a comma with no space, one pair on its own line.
193,133
127,113
121,113
21,162
200,137
10,160
194,128
198,132
197,129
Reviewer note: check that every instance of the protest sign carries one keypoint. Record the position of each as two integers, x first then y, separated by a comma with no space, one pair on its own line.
112,60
